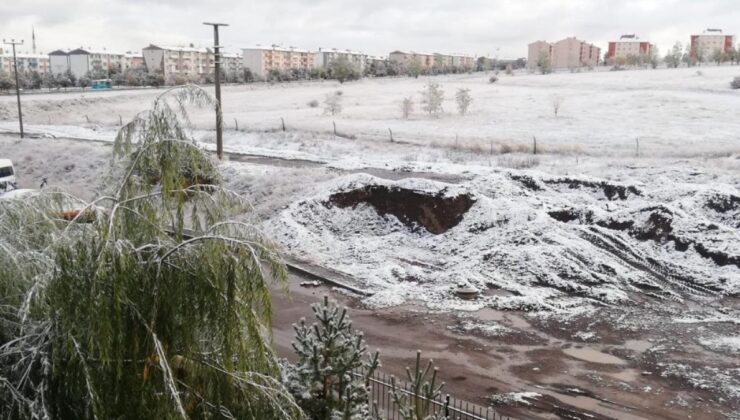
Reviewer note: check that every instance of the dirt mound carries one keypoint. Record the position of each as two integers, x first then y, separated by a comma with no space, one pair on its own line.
436,213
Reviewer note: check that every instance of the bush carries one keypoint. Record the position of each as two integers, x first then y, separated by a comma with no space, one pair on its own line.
493,79
735,83
432,97
333,104
463,99
313,103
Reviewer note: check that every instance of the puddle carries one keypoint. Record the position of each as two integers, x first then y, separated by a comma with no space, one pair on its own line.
593,356
513,320
637,345
627,375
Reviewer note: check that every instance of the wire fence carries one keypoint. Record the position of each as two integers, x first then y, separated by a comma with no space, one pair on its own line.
444,406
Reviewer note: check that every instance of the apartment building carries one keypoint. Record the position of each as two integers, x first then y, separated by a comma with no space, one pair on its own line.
406,58
710,41
323,58
538,51
132,60
262,59
568,53
628,46
463,61
26,62
231,63
82,61
172,61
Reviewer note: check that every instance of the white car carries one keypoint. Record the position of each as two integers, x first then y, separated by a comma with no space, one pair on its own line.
7,175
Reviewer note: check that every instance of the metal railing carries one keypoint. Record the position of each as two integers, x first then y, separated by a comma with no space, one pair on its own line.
380,387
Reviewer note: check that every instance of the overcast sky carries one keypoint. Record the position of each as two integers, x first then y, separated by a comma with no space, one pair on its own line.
476,27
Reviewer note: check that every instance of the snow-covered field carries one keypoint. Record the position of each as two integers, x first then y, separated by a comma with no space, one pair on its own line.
589,240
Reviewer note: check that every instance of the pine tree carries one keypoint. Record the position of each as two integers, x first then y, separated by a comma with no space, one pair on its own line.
330,379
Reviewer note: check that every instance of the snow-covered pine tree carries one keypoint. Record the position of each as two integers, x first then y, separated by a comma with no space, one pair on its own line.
330,379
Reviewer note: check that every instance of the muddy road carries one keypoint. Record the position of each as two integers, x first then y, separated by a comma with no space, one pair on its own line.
618,377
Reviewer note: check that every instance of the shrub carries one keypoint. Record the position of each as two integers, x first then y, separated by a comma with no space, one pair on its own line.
463,99
493,79
432,97
557,103
735,84
313,103
333,104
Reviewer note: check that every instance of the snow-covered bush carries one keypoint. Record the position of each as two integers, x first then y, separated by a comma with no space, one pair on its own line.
313,103
431,98
329,379
493,79
735,84
333,103
463,99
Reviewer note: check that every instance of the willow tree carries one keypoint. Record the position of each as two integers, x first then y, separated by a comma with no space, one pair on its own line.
127,316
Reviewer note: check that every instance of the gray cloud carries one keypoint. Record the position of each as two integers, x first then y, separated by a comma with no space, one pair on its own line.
379,26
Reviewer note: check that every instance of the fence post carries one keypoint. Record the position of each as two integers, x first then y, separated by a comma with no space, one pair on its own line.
637,143
447,405
391,133
534,139
335,128
282,120
236,124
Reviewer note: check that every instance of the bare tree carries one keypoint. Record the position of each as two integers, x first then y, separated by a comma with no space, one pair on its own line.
557,102
463,99
432,97
407,107
333,103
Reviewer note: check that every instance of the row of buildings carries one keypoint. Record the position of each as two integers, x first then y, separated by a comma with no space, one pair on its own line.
193,62
571,53
262,60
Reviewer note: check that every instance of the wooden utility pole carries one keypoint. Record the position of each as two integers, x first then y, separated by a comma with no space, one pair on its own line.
217,62
17,84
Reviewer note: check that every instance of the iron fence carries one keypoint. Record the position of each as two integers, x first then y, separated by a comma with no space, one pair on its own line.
445,405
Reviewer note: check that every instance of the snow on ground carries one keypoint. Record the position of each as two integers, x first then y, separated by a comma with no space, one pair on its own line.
673,112
550,243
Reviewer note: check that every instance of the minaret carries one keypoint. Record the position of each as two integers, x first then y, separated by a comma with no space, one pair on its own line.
33,39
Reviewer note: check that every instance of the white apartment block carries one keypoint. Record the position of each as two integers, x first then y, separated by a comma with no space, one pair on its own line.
27,63
463,61
82,62
710,41
231,63
262,59
324,58
178,61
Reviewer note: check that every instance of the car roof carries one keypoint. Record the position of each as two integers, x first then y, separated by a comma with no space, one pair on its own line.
6,162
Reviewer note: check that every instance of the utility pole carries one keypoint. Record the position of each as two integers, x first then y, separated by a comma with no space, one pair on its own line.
219,111
17,84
